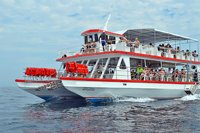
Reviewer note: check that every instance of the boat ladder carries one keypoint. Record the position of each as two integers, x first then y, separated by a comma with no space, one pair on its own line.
52,85
192,89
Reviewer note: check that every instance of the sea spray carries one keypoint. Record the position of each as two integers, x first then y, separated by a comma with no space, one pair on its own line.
190,97
131,99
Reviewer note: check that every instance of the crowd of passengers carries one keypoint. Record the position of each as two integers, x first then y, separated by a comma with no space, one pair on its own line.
165,48
168,48
105,42
161,74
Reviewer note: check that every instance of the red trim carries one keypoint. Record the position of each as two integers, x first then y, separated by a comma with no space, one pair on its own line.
132,54
126,81
91,31
31,81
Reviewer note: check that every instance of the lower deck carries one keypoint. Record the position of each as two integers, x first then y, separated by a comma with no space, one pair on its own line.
126,67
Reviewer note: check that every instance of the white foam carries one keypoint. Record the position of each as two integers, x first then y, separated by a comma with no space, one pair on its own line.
190,97
140,100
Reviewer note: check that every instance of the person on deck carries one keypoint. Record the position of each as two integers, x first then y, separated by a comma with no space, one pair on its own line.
133,74
169,74
136,42
103,40
183,75
176,75
145,74
195,76
194,53
139,71
151,74
161,74
64,56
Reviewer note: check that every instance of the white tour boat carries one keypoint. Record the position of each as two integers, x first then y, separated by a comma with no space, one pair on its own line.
133,63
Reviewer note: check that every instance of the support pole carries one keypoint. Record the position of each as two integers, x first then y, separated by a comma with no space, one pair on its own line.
187,68
198,50
145,62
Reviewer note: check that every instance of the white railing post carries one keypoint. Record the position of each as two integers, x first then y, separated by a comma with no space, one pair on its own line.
127,73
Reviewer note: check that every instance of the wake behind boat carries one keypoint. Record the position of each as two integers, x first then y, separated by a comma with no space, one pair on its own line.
133,63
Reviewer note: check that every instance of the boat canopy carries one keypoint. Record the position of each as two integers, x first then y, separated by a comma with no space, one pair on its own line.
151,35
93,31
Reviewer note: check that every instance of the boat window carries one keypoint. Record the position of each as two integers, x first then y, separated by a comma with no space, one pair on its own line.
112,39
85,62
96,38
111,67
153,64
103,61
92,62
90,38
79,62
169,65
99,68
86,39
91,65
134,62
122,65
113,62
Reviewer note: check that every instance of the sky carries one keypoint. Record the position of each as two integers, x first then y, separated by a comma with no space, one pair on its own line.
34,32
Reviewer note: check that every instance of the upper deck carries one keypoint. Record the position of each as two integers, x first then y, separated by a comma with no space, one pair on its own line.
153,44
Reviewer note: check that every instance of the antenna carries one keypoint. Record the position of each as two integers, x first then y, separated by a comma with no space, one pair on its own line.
106,24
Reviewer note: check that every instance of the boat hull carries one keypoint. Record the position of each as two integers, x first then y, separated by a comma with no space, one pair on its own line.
35,88
118,88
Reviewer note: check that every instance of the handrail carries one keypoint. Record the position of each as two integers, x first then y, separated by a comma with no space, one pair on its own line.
117,73
141,49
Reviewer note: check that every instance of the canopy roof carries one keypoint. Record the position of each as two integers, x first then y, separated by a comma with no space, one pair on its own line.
93,31
151,35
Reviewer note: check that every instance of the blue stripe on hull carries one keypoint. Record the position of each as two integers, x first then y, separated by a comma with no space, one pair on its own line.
99,100
47,98
52,98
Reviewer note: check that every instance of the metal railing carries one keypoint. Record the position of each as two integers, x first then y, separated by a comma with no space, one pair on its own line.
143,48
130,74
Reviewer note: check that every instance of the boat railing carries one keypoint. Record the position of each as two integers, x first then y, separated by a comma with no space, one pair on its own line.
38,78
65,53
165,52
130,73
96,47
148,49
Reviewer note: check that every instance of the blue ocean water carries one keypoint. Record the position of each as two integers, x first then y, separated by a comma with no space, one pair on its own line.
21,112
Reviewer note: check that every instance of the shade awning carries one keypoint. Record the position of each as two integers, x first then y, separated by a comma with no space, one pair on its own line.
151,35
